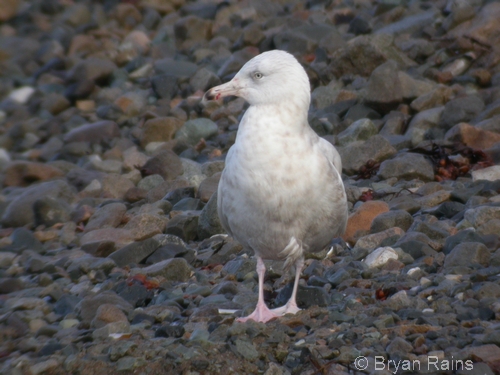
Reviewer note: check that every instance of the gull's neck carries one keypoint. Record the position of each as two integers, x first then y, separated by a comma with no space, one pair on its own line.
289,117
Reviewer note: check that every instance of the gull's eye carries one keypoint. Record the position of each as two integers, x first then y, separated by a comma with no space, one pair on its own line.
258,75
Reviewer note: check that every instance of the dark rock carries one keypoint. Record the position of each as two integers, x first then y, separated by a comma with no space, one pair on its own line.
107,216
209,223
307,296
166,163
365,53
136,294
10,285
49,211
176,195
23,239
137,251
416,249
20,211
172,250
87,308
94,132
170,330
463,236
461,110
164,86
184,225
355,155
66,304
176,269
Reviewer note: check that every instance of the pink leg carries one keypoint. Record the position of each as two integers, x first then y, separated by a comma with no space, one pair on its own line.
291,306
261,312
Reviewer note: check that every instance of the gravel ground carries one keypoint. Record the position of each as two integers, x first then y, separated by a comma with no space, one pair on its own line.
112,257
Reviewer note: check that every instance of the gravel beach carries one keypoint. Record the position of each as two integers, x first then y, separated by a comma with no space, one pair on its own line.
112,256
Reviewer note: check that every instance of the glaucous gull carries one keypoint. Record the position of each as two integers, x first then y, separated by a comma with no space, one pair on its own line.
281,192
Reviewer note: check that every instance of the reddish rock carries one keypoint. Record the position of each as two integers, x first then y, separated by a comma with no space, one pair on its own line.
166,163
485,353
108,313
143,226
94,133
472,136
23,173
360,221
161,129
115,186
9,9
135,194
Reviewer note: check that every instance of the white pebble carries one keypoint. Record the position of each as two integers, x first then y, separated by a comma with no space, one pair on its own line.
22,94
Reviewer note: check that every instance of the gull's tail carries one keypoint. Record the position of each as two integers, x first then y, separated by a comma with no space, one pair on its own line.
293,252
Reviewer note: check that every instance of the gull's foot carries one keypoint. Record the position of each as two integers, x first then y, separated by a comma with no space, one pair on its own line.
261,314
289,308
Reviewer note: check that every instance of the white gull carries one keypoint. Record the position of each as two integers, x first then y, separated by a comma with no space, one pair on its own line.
281,193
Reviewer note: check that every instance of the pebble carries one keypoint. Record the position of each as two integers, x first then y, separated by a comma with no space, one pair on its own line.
112,255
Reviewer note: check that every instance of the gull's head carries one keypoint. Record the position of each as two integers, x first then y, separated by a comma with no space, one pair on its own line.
271,77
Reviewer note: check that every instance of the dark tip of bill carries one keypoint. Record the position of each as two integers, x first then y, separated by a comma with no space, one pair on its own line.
209,95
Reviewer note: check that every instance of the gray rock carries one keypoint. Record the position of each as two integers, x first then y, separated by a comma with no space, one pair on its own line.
365,53
462,236
20,211
460,110
184,225
165,163
23,239
209,223
87,307
360,111
150,182
410,24
421,125
390,219
356,154
240,267
307,296
182,70
407,166
307,37
194,130
164,86
204,79
395,124
360,130
384,91
136,252
466,254
399,347
176,269
480,215
93,69
107,216
488,290
93,132
416,249
187,204
380,256
246,350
